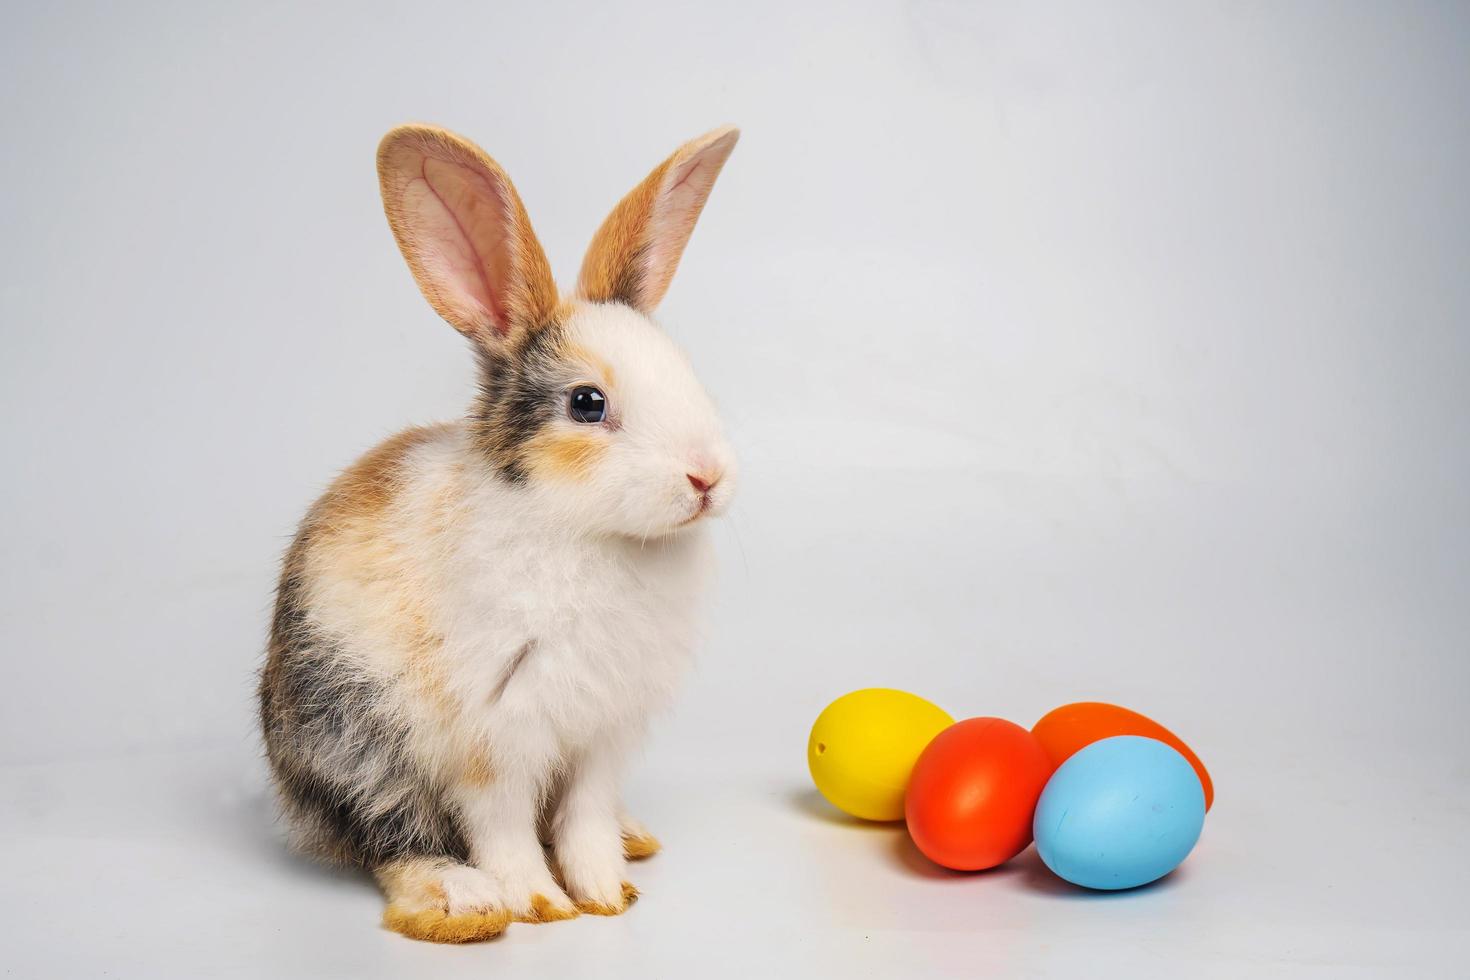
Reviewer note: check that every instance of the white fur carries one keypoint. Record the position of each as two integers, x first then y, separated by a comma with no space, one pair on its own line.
600,575
470,890
666,428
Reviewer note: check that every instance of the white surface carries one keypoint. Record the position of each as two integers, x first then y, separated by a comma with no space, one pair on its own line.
1113,352
1298,874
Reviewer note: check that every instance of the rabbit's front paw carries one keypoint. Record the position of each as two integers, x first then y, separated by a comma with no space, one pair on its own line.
532,895
592,866
608,901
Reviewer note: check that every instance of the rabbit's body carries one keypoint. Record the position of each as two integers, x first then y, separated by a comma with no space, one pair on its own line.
476,620
427,586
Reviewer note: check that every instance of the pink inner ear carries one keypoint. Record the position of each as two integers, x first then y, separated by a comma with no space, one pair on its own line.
458,222
674,216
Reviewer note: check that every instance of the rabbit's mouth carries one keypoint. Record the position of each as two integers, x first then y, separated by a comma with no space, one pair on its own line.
699,511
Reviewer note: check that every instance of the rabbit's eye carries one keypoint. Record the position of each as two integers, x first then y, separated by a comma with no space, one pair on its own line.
587,404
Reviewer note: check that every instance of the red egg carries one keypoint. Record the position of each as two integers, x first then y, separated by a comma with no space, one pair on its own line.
973,793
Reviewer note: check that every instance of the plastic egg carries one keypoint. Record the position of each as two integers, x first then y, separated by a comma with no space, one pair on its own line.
1075,726
863,747
973,793
1120,813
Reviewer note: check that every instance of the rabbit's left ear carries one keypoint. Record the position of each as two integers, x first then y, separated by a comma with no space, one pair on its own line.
633,256
464,232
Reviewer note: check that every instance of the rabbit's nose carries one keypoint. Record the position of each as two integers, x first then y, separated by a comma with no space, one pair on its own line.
703,483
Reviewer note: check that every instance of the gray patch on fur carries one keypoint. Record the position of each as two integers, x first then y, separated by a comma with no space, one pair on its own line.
348,784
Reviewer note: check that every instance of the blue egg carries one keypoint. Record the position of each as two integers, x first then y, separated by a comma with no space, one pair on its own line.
1119,813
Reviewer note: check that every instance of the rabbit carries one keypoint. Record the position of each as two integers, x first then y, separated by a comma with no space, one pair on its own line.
475,621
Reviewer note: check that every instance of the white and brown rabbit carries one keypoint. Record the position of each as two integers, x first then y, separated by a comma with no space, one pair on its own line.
476,620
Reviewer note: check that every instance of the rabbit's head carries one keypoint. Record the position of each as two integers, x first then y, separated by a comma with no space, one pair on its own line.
585,405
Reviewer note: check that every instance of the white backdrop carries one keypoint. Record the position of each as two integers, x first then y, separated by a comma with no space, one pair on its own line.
1072,351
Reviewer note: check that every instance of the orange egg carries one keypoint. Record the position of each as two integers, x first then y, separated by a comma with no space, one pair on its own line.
1076,726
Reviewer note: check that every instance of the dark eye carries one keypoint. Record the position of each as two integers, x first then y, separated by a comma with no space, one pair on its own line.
587,404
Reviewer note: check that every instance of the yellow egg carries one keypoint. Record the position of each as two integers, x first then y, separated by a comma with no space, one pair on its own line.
864,745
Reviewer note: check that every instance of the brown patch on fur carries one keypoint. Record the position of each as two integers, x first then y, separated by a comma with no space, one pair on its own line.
544,910
630,895
567,456
637,847
496,231
367,486
478,772
354,537
633,256
438,926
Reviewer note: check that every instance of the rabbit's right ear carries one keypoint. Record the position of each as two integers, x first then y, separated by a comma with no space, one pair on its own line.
465,234
634,254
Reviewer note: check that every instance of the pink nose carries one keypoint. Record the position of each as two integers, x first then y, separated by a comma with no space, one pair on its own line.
701,484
